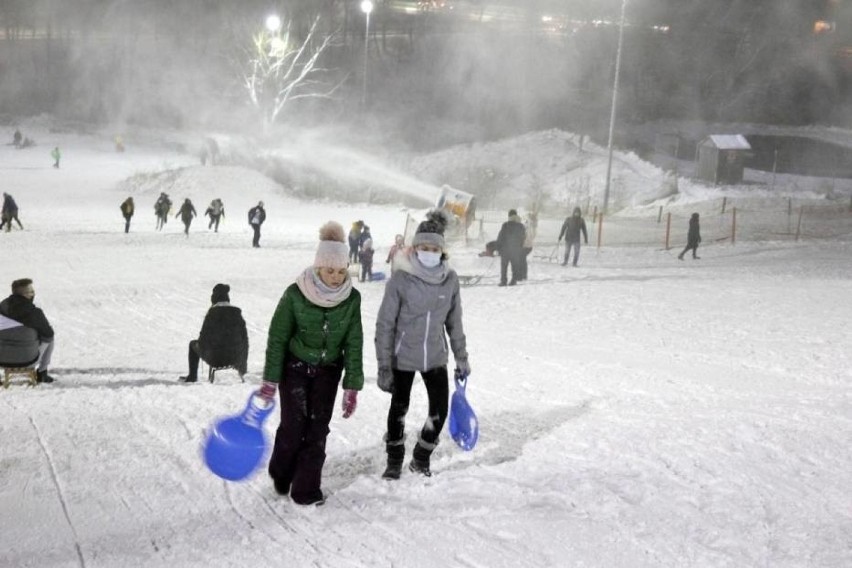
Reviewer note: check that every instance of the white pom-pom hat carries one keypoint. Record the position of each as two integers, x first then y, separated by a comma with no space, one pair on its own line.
332,252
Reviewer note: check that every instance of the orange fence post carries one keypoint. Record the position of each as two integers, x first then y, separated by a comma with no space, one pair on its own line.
799,224
734,227
668,229
600,228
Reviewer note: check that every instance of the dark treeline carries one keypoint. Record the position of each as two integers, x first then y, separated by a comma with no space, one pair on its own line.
487,68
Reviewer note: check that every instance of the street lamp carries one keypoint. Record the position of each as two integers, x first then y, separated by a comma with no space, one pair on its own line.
273,23
614,104
367,8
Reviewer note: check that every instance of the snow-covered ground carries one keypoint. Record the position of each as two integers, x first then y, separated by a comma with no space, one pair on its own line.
635,411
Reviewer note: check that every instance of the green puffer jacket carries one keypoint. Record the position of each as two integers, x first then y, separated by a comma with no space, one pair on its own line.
315,335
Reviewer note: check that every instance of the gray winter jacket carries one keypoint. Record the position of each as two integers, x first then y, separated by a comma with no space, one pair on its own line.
18,343
413,317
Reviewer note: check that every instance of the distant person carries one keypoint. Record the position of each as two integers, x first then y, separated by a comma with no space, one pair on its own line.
223,341
398,246
510,242
56,155
186,214
161,209
256,217
17,138
315,338
119,144
215,211
531,227
366,258
127,211
209,151
355,240
693,238
571,229
365,236
9,213
16,312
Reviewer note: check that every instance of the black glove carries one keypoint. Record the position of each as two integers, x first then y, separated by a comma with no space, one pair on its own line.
385,379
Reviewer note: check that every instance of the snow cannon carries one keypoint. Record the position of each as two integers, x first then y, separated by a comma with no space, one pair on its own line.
235,445
463,424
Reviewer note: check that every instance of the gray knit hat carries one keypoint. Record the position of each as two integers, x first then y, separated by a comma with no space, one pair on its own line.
431,231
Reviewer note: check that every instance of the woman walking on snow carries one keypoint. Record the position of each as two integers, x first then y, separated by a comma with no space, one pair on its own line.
421,305
693,237
314,336
186,213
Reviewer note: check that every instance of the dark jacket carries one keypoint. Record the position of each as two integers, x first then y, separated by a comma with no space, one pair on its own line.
23,310
127,208
186,212
260,211
9,206
320,336
18,343
223,339
163,206
572,227
366,256
693,237
510,240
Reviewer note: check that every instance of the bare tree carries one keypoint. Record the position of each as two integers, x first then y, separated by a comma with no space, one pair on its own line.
279,68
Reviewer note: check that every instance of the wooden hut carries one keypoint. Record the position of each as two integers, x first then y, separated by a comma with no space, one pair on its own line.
721,158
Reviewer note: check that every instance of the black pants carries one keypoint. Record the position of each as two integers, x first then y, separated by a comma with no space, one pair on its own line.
193,357
255,242
307,402
127,223
689,246
524,266
7,220
438,391
214,221
514,260
366,272
186,225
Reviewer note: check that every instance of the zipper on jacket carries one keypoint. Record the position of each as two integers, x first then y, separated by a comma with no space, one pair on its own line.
324,351
426,340
399,343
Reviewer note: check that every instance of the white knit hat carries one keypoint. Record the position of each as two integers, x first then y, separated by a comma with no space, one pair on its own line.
332,251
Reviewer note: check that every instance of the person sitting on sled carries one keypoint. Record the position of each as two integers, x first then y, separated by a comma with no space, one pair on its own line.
223,341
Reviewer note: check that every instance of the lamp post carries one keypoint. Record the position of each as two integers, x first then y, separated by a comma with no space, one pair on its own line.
367,8
614,104
273,23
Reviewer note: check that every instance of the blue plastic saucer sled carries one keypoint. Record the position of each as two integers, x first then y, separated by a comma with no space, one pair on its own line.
464,426
235,445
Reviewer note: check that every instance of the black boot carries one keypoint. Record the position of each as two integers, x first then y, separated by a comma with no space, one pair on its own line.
420,460
396,455
43,377
188,379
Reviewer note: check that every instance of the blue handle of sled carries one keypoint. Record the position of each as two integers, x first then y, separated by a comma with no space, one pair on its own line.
235,445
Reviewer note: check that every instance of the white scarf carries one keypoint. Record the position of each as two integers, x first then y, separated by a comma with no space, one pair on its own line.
318,293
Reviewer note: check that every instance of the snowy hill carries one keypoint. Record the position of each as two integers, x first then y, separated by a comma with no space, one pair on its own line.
635,411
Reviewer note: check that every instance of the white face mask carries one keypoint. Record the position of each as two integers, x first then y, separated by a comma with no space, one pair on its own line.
429,259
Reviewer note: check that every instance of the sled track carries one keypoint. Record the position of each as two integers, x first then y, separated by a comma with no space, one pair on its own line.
59,492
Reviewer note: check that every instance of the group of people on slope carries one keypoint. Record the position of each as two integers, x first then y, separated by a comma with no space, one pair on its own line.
361,249
515,242
316,341
216,212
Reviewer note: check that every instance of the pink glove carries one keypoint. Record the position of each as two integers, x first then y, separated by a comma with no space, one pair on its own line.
267,391
350,402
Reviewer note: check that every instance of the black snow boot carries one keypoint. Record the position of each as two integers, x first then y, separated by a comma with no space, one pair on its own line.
420,460
396,455
188,379
43,377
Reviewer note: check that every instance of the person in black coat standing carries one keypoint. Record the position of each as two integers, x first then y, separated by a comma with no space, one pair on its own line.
9,213
571,229
223,341
510,242
186,214
693,237
256,217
